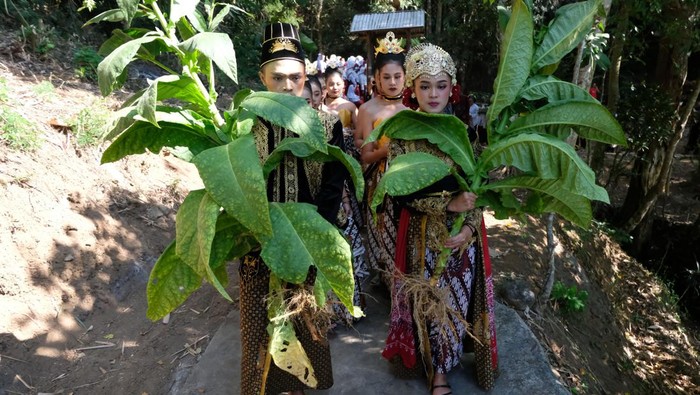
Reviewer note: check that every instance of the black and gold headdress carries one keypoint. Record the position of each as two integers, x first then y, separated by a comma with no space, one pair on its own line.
281,41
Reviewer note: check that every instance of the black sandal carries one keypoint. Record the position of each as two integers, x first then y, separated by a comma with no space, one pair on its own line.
432,389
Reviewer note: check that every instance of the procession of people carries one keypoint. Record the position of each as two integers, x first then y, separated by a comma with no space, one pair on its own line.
406,236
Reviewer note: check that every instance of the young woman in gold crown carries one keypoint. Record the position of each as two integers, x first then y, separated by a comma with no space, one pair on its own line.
389,77
422,338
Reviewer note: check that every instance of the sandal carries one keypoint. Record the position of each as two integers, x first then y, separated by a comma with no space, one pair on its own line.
432,389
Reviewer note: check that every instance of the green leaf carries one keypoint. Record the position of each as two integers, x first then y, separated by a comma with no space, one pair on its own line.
301,149
446,131
142,136
291,113
109,70
553,89
557,199
239,97
407,174
115,15
589,118
222,14
146,105
182,88
284,348
233,177
217,47
198,22
241,240
545,157
302,238
180,8
571,24
195,230
129,8
515,58
170,283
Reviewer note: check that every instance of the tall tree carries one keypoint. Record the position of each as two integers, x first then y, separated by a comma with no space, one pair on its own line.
676,25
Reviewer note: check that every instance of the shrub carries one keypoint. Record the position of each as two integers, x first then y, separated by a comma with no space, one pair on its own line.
16,131
89,124
570,299
86,60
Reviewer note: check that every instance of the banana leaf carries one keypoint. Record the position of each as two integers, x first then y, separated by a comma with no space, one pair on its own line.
515,58
447,132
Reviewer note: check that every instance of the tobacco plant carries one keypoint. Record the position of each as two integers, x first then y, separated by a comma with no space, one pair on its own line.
529,118
231,216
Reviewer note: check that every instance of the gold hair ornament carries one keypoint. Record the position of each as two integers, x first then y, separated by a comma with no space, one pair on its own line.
428,59
310,67
389,44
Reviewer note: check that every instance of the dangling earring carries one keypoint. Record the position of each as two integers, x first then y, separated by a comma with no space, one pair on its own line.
455,94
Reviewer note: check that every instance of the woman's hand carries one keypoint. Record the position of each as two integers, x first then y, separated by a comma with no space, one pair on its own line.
463,237
463,202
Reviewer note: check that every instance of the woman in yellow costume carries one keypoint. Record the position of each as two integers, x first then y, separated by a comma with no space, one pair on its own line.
389,77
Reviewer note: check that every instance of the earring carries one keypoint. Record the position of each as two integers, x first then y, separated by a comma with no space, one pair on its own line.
413,95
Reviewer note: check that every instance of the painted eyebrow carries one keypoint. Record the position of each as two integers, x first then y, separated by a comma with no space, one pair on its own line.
286,75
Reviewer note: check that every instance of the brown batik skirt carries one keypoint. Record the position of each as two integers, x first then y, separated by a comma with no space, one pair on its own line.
259,374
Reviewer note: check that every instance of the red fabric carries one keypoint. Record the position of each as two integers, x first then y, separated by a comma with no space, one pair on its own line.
489,294
401,340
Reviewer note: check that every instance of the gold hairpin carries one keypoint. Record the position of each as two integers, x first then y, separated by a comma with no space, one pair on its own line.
389,44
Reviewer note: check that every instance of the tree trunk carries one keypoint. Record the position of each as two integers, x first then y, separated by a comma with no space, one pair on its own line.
659,187
672,67
438,20
597,158
428,19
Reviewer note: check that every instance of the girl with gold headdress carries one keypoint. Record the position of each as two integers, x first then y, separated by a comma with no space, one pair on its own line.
389,76
429,317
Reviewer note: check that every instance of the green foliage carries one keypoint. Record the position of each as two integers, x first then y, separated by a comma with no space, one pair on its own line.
647,113
16,131
569,299
531,115
231,216
86,60
89,124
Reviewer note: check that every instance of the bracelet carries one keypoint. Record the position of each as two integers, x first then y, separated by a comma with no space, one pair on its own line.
472,228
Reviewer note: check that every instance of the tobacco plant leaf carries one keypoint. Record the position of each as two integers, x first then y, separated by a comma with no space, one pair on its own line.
554,198
545,157
301,149
141,137
111,68
447,132
515,60
216,46
588,118
170,283
182,8
286,350
302,238
195,231
233,177
289,112
409,173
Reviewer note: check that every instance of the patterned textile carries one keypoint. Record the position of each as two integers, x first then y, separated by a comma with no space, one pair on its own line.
381,231
295,180
467,278
258,374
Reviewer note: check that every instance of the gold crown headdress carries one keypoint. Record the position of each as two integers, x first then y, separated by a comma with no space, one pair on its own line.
389,44
428,59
